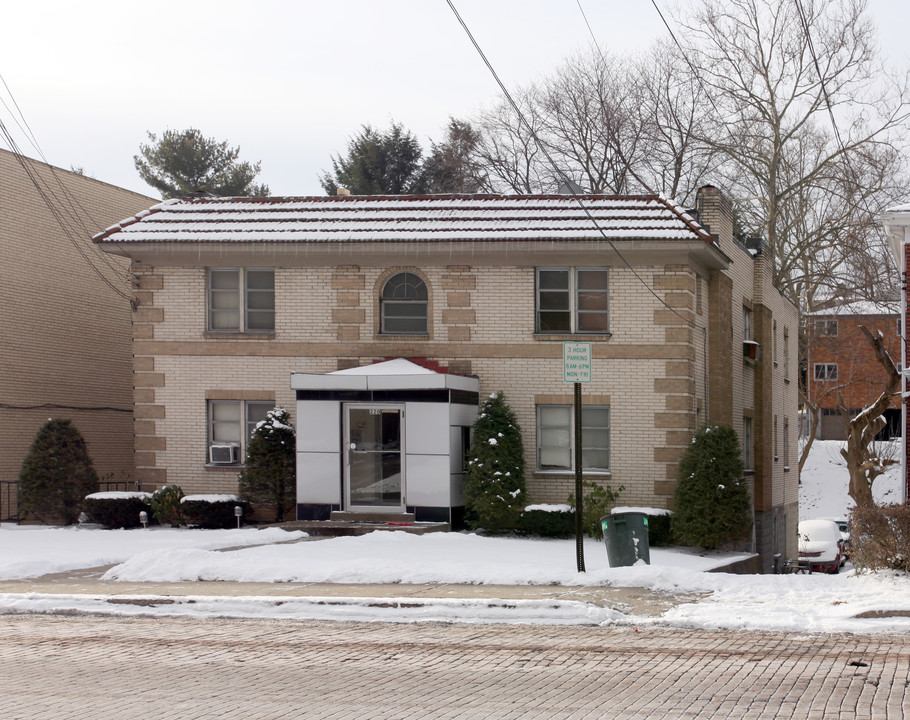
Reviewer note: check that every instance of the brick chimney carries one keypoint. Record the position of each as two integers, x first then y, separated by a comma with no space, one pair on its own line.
715,212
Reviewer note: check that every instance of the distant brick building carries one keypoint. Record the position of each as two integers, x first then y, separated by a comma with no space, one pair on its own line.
66,335
897,226
841,364
247,303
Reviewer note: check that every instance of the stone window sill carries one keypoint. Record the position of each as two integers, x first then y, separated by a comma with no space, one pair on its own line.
209,335
569,337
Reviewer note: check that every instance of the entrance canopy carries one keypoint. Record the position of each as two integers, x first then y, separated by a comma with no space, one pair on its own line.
391,375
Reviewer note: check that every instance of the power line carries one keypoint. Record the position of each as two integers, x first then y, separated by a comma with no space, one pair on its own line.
848,163
64,211
578,2
555,166
57,406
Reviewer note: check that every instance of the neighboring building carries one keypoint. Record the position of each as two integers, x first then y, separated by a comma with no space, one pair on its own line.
249,302
897,225
841,364
66,335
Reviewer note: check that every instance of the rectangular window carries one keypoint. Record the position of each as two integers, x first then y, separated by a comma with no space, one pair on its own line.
572,301
825,371
241,300
826,327
774,342
786,353
556,437
231,422
747,323
786,443
747,442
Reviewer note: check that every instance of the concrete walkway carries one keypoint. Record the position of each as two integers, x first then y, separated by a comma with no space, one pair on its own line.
632,601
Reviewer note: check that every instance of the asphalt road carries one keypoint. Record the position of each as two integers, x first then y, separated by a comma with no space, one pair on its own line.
79,667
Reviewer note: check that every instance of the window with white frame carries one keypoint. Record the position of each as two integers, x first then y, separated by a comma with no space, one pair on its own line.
825,371
241,300
747,323
826,327
403,305
556,437
231,422
572,300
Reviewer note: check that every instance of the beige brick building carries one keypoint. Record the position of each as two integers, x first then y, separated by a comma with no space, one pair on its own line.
236,294
66,334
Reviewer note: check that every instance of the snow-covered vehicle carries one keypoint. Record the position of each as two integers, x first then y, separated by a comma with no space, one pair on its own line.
820,545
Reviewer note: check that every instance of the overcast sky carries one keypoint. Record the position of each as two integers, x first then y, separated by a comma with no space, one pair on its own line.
290,82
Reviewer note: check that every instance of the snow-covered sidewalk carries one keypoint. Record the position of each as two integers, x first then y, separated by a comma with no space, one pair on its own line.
721,600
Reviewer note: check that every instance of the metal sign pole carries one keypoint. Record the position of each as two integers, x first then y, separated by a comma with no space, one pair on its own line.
579,502
576,368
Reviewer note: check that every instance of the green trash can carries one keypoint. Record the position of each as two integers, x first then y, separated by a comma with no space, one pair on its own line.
626,538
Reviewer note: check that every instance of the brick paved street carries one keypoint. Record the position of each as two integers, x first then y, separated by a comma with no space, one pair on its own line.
88,667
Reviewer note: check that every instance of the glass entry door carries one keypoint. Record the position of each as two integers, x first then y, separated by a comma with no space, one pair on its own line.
373,467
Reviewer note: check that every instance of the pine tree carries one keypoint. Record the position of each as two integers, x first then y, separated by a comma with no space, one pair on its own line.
181,163
712,502
270,473
378,163
495,484
56,474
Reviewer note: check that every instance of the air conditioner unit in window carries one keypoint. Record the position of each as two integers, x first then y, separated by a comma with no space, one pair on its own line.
751,350
223,454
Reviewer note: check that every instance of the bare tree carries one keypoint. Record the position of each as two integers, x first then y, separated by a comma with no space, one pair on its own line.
810,193
508,149
863,463
676,160
610,124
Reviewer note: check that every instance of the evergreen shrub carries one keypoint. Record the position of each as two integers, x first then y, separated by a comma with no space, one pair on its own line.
212,512
659,530
712,504
495,479
597,501
117,510
547,523
56,475
269,476
165,505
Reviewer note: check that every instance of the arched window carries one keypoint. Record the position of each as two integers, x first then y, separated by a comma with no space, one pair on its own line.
403,305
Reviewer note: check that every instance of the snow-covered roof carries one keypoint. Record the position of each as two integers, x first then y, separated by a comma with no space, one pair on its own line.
408,219
398,366
860,307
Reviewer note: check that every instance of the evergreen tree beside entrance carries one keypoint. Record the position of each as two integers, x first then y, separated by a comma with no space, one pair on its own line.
495,480
270,474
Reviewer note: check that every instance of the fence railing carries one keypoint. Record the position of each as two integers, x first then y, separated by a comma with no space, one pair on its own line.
9,505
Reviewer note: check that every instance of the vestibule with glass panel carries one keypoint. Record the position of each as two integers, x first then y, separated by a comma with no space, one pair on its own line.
385,438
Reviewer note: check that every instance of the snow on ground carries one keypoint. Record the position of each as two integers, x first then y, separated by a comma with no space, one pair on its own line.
768,602
28,551
823,486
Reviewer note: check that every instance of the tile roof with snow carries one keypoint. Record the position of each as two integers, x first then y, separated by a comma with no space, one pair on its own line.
408,219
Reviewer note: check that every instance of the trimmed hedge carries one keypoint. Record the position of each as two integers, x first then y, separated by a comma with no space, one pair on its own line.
213,512
117,510
659,532
547,523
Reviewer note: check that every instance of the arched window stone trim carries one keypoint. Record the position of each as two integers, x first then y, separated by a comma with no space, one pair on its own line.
404,303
